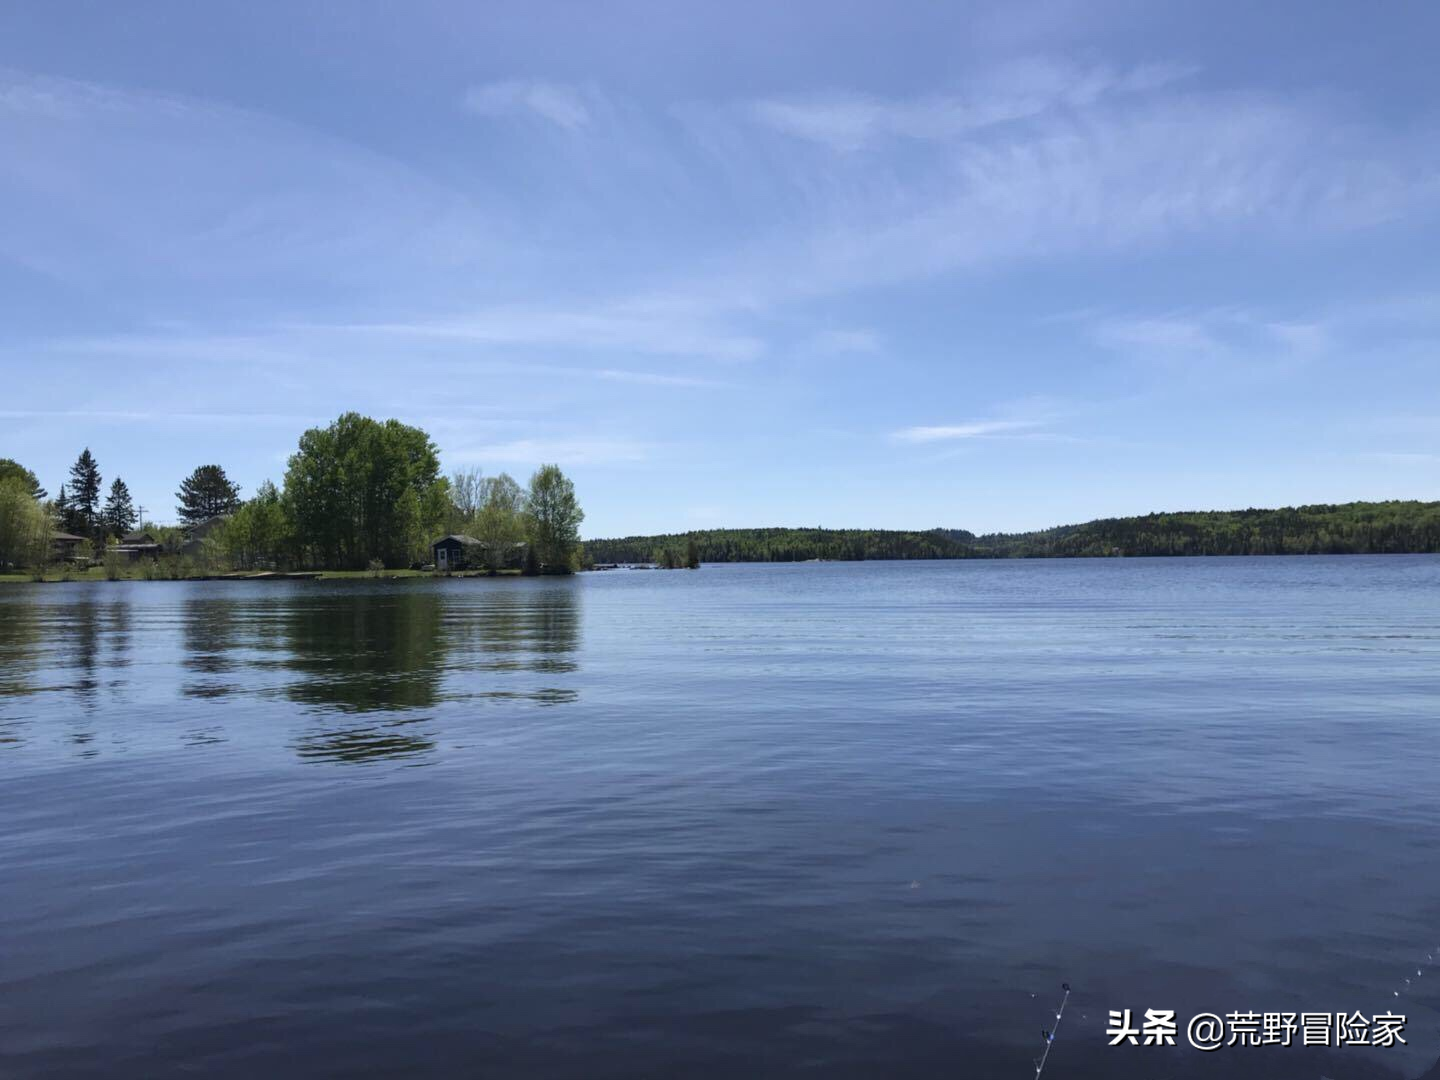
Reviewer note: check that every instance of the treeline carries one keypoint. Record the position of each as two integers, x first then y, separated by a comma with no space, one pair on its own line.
1346,529
1361,528
357,494
782,545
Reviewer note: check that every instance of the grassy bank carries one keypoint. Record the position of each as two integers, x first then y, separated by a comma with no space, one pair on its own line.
137,573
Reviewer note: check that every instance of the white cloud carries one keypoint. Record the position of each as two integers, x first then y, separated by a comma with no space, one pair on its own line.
1225,336
110,190
845,341
633,326
562,451
1097,169
1019,91
975,429
652,378
1157,335
564,106
159,416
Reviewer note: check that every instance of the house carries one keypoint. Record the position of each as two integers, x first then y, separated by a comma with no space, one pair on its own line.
459,552
197,534
136,545
66,546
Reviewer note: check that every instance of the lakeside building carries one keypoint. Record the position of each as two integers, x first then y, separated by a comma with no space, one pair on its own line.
460,552
66,546
196,535
137,545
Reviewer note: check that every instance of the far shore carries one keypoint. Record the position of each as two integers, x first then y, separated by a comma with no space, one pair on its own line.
98,574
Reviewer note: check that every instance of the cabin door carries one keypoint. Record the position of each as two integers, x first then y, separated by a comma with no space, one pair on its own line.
442,559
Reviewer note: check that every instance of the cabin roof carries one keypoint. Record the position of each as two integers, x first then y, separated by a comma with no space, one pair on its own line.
65,536
459,538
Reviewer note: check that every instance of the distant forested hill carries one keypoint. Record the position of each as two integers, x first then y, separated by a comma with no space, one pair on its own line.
1349,528
786,545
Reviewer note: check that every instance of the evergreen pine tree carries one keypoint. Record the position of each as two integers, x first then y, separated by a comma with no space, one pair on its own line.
119,515
63,514
85,495
206,493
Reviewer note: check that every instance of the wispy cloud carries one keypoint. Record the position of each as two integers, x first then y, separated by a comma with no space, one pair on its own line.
1396,457
598,450
635,326
974,429
845,341
564,106
654,378
1214,338
111,190
1098,169
1018,91
156,416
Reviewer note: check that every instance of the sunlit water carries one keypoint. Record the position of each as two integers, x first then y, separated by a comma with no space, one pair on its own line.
833,819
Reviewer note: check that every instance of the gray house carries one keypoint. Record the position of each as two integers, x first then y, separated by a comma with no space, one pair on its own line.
195,537
66,546
459,552
137,545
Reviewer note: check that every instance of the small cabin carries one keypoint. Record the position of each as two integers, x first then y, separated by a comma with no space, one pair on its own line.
457,552
196,535
135,552
66,546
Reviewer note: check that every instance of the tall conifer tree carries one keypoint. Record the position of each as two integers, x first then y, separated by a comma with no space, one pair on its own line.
206,493
119,515
85,494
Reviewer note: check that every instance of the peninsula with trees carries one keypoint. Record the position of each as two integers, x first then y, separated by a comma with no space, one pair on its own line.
358,496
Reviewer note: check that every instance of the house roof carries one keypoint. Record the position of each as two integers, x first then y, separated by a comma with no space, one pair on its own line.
470,541
66,536
138,538
202,528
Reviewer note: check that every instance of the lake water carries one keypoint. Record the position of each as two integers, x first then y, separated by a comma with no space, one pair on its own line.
824,819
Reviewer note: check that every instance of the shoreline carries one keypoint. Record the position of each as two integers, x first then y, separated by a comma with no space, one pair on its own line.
97,575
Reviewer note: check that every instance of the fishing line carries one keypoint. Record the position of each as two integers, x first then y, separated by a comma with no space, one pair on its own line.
1049,1035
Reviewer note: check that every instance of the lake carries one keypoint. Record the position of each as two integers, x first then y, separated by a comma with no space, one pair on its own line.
758,820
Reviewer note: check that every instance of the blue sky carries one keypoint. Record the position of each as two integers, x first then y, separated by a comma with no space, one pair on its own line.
889,265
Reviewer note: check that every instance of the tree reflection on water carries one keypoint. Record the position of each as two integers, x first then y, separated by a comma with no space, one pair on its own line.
341,672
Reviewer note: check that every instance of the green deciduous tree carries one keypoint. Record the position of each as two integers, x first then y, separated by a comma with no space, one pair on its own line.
206,493
24,525
553,515
11,470
119,515
467,496
500,524
258,534
362,489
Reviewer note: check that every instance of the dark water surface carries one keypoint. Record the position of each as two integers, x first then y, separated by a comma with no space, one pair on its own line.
833,820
